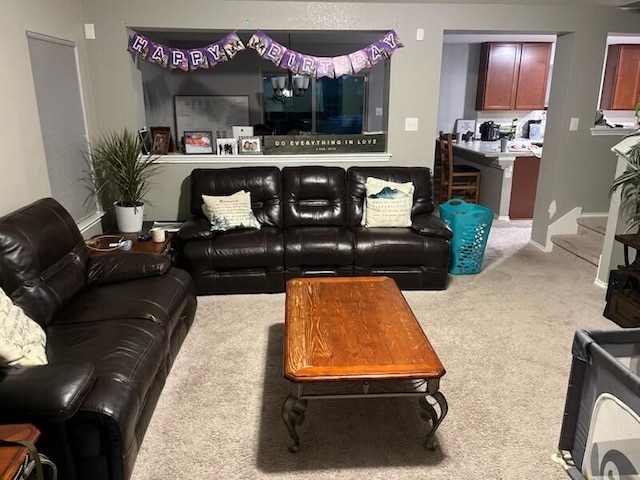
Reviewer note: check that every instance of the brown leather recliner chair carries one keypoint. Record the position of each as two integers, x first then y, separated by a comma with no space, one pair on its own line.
114,326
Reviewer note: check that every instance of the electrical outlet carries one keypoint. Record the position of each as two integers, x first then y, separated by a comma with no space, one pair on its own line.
378,111
573,124
410,124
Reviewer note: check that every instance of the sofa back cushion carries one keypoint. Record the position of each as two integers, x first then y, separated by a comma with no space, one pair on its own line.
43,258
262,182
356,190
314,196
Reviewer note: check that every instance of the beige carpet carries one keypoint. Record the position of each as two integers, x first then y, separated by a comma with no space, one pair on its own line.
504,336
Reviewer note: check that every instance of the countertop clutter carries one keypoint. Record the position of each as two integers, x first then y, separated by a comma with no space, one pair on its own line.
490,149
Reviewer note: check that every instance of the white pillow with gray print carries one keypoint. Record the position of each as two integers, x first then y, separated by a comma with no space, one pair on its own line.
22,340
229,212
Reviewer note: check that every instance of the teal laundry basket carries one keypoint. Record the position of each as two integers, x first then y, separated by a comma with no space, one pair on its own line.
470,224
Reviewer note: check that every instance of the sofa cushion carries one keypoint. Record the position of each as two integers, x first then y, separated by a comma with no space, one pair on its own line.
356,191
157,299
22,341
43,258
229,212
314,195
262,182
236,249
395,246
387,204
318,246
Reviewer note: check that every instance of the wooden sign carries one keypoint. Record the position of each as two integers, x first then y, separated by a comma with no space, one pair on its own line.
323,144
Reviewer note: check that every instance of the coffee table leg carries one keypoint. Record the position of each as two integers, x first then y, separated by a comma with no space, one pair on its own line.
431,415
293,414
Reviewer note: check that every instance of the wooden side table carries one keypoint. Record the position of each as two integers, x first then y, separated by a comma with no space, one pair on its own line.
99,244
14,460
623,292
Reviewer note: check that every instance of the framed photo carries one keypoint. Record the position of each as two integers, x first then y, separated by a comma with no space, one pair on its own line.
198,142
227,146
145,138
463,126
250,145
160,140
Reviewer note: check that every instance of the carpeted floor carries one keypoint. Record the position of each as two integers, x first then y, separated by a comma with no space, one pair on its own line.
503,335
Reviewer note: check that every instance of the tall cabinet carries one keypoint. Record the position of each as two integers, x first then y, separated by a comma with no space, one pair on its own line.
621,85
513,76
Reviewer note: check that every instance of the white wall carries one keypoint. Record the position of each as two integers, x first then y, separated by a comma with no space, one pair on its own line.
576,170
453,86
24,173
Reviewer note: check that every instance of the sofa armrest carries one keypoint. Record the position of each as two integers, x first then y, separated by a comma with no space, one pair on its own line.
196,228
43,393
431,226
120,267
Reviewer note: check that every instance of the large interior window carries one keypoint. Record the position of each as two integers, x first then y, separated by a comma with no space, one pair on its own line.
329,105
349,104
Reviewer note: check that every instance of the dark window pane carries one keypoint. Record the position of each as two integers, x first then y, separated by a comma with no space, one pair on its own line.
340,104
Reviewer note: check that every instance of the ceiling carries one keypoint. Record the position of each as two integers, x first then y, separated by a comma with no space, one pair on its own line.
569,3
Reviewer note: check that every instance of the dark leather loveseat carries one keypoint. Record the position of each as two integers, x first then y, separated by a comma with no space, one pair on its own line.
310,220
114,325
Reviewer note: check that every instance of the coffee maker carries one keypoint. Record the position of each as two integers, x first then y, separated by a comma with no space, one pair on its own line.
489,131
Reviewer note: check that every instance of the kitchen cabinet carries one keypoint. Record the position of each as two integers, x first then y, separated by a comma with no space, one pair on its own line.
513,76
621,85
524,187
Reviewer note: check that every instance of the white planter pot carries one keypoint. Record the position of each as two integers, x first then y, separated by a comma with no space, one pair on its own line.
129,218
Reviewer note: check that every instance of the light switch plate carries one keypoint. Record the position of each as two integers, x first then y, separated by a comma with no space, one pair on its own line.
410,124
573,124
420,34
89,31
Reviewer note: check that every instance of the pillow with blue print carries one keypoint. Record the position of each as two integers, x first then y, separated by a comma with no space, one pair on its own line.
387,204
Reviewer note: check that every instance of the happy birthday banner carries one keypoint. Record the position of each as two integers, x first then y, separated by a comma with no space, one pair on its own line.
229,46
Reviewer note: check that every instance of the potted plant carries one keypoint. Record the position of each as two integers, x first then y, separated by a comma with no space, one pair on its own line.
122,174
629,185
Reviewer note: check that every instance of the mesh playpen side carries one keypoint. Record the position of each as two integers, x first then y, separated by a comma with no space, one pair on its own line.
600,435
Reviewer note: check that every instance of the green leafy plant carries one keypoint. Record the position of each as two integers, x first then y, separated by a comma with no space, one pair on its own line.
121,172
629,185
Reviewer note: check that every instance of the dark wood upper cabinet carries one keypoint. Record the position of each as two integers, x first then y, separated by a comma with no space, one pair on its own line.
513,76
621,85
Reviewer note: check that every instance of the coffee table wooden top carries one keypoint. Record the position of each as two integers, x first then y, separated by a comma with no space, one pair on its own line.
353,328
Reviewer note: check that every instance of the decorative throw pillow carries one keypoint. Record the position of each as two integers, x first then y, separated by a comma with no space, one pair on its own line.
230,212
22,340
387,204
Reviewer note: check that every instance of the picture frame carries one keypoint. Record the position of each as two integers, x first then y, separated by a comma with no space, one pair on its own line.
226,146
145,139
160,140
465,125
250,145
198,142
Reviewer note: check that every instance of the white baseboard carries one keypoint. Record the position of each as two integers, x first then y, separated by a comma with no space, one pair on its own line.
538,246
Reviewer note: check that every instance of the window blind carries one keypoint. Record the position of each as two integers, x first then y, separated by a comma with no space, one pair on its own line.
62,123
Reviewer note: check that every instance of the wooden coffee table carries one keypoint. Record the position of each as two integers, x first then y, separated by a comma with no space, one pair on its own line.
354,337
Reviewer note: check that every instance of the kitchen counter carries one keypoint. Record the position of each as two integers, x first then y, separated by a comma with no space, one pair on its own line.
497,169
517,148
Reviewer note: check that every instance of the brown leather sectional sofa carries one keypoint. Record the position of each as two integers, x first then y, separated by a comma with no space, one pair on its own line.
311,225
114,325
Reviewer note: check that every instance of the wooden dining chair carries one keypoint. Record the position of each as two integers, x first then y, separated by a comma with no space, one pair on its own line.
456,181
